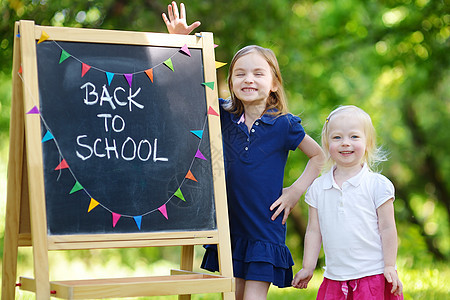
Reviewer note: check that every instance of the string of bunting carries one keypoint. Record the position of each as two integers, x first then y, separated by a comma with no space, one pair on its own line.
63,165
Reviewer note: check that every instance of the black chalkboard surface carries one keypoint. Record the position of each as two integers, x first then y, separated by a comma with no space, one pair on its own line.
124,152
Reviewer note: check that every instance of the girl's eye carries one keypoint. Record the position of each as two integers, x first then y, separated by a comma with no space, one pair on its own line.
336,137
355,136
239,74
259,74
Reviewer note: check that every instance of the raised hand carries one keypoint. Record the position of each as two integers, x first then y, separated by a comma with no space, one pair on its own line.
176,22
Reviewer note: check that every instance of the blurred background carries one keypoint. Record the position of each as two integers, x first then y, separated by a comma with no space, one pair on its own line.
390,57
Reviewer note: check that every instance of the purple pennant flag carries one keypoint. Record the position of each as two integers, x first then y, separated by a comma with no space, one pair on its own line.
34,110
199,155
129,78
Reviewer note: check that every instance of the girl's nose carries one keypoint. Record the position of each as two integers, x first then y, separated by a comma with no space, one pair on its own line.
249,79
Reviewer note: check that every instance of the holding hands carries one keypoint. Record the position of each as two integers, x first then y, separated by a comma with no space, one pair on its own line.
176,22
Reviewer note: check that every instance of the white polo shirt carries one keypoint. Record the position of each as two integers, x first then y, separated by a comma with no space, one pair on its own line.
349,222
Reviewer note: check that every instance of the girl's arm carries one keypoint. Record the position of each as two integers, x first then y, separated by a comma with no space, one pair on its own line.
292,194
313,242
388,232
176,23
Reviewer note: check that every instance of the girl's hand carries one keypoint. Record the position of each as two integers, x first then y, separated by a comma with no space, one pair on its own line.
392,277
302,279
176,23
286,203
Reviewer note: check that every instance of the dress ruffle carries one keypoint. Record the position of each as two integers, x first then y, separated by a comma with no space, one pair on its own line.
255,260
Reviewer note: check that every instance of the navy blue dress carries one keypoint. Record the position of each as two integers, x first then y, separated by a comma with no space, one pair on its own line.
254,170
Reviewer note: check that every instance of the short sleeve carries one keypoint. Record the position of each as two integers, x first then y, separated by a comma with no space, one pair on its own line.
384,190
296,132
311,194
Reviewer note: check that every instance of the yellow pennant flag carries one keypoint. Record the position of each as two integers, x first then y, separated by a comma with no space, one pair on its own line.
93,204
43,37
220,64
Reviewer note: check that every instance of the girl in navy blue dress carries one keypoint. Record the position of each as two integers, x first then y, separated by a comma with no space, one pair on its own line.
258,133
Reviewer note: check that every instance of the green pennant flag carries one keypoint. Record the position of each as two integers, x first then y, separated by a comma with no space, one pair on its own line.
168,63
76,188
209,84
179,194
64,56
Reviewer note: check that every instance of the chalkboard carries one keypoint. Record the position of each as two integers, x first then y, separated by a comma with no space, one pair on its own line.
124,150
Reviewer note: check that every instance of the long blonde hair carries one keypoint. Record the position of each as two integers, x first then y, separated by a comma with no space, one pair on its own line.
277,100
373,155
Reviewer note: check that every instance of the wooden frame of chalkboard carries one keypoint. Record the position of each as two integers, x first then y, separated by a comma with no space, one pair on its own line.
29,214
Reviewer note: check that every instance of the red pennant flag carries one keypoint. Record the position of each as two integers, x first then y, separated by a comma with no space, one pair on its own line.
62,165
149,73
190,176
116,218
211,111
20,70
84,69
163,210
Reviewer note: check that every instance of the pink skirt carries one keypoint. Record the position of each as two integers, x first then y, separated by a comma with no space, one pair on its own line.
373,287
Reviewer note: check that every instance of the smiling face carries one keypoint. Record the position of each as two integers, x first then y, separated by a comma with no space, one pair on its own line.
346,140
252,79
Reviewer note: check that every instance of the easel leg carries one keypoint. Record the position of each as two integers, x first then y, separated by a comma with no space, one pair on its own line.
187,263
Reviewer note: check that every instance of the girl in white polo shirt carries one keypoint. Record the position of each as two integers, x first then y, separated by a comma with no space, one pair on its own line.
351,212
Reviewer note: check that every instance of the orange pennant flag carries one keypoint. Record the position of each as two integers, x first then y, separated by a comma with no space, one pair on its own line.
62,165
149,73
92,204
190,176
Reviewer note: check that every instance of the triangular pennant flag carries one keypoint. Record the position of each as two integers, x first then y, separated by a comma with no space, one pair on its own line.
220,64
163,210
179,194
199,155
84,69
62,165
109,76
47,137
185,49
18,35
92,204
129,78
198,133
20,70
209,84
168,63
138,221
77,186
215,45
34,110
211,111
149,73
116,218
64,56
43,37
190,176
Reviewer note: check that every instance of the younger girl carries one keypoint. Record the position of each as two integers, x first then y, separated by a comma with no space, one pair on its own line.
257,136
351,212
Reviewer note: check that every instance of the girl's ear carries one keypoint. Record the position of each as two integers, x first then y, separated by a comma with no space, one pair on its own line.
274,87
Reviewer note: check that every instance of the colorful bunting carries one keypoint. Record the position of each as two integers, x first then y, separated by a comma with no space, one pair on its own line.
92,204
220,64
20,70
199,155
77,186
211,111
209,84
62,165
179,194
163,209
64,56
149,73
198,133
84,69
115,218
129,78
168,63
109,76
47,137
185,50
44,36
18,35
138,220
34,111
190,176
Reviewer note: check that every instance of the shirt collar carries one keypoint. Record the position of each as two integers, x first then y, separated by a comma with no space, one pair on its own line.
266,118
329,182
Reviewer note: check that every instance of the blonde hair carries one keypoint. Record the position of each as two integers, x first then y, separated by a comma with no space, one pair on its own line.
276,100
373,155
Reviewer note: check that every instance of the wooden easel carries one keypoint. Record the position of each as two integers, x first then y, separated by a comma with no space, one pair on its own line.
26,223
